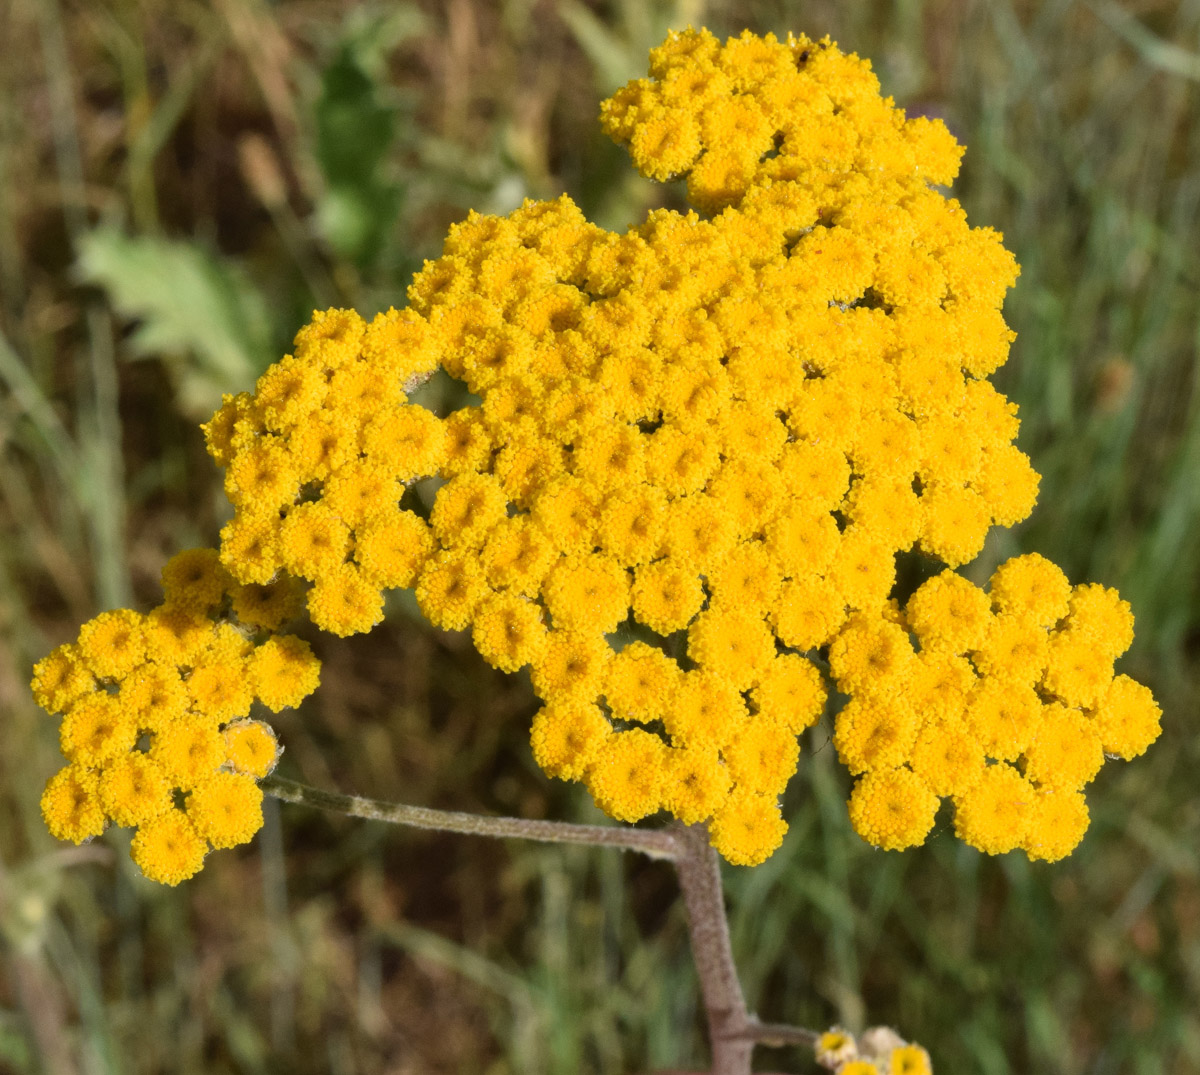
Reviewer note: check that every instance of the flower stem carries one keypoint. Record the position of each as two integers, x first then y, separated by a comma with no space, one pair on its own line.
661,844
724,1005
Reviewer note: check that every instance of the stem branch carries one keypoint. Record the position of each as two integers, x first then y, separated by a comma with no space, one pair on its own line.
776,1034
657,844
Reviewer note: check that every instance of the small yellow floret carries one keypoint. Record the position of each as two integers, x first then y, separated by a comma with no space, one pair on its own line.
1127,718
948,757
948,613
571,666
1015,649
666,595
71,805
283,671
1057,823
449,589
875,732
808,612
835,1047
748,828
698,782
640,683
195,579
134,789
176,637
762,756
517,556
313,540
268,605
892,809
791,692
218,689
734,644
508,631
360,490
113,643
154,695
628,775
909,1060
995,815
1002,716
1100,616
226,809
859,1067
589,592
707,710
60,678
467,509
1031,587
1077,671
344,602
187,751
95,729
393,548
250,546
168,849
567,736
251,747
871,655
263,475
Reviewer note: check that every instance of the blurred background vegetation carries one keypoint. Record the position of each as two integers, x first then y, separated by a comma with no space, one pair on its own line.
182,181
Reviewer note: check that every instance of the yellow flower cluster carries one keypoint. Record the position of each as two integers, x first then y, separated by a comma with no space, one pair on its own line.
1007,705
714,433
880,1051
156,724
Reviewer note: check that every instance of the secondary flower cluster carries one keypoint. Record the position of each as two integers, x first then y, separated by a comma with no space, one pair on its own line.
156,707
316,459
714,434
1008,707
878,1051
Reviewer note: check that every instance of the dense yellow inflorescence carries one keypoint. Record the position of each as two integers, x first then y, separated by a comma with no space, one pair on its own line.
689,457
156,724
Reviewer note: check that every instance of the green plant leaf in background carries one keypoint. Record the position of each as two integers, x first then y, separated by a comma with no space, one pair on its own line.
356,129
195,310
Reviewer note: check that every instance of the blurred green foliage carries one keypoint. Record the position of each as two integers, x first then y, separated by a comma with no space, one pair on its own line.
183,302
184,181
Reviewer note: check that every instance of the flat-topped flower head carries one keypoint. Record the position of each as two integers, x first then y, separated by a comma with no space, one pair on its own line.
686,460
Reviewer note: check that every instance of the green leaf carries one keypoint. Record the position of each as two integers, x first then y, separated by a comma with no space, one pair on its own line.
194,310
357,123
